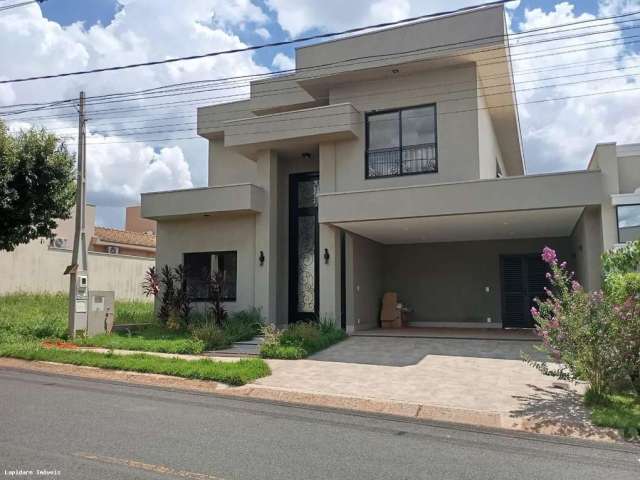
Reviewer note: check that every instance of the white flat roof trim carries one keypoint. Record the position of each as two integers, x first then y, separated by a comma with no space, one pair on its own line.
289,112
433,18
211,187
630,150
479,180
625,199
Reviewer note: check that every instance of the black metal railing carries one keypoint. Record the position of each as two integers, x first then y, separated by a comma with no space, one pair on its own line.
408,160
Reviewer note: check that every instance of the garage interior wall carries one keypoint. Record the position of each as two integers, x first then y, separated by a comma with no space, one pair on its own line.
446,282
364,282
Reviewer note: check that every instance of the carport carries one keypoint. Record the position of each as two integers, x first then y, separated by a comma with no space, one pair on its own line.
465,254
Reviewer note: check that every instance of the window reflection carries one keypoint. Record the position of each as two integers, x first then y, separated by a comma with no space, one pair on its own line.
628,223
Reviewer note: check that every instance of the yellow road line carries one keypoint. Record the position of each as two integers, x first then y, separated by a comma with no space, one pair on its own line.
149,467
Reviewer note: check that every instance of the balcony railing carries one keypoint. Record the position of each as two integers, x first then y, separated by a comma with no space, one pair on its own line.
408,160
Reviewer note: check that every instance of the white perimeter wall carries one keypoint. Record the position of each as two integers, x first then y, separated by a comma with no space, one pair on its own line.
36,268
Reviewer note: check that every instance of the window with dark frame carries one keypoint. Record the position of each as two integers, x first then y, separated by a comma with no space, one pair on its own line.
200,266
628,223
401,142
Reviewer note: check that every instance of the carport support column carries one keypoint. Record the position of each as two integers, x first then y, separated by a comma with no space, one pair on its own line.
330,273
266,275
329,241
606,157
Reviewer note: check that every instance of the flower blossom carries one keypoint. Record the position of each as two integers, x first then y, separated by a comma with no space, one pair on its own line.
549,255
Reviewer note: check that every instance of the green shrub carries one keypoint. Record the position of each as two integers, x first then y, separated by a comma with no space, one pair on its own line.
299,340
622,285
211,336
305,335
243,325
621,260
284,352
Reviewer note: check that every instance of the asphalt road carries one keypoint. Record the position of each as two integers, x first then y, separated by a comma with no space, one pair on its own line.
87,429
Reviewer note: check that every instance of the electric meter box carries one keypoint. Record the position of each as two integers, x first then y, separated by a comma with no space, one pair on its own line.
101,314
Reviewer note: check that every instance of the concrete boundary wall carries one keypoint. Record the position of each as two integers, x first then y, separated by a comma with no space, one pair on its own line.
36,268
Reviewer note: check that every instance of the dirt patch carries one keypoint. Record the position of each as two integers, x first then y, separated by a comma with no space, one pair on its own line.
59,344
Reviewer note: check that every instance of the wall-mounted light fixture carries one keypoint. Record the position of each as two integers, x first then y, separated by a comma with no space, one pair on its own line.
261,258
306,155
326,256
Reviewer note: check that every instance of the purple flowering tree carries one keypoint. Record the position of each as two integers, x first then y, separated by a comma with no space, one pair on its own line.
576,329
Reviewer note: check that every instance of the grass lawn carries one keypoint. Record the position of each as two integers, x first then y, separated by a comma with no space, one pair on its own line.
617,411
231,373
150,339
45,315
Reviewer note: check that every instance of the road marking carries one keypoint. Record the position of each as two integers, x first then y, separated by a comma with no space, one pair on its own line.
149,467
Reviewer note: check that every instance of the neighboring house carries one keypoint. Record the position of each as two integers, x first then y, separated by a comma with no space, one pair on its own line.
38,266
390,161
123,242
138,237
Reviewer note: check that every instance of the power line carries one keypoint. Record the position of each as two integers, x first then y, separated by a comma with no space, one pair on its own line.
501,58
258,47
16,5
528,34
548,86
555,99
272,121
152,117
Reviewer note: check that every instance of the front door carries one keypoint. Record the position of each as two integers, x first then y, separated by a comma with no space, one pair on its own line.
303,247
523,280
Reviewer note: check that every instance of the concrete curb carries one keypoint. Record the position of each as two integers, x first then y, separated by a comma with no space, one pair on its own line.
441,413
482,418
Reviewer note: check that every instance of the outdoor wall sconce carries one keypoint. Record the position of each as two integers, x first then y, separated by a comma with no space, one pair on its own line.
326,256
261,258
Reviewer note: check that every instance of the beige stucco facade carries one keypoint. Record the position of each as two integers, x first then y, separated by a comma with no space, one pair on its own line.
438,238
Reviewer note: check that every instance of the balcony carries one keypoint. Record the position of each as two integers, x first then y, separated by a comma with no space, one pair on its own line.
226,199
408,160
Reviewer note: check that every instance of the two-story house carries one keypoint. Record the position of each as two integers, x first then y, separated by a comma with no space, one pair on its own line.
389,161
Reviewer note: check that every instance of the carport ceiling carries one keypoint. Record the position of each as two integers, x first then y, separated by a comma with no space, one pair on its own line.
558,222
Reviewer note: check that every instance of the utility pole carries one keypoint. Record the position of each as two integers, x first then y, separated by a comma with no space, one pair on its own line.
79,270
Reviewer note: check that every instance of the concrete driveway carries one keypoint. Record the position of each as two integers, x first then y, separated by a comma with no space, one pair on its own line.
448,379
405,351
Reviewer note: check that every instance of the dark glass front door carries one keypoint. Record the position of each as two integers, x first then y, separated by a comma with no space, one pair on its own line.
303,247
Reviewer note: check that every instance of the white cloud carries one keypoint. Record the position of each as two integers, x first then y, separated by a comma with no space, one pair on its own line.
560,135
263,33
616,7
298,16
142,30
283,62
119,172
